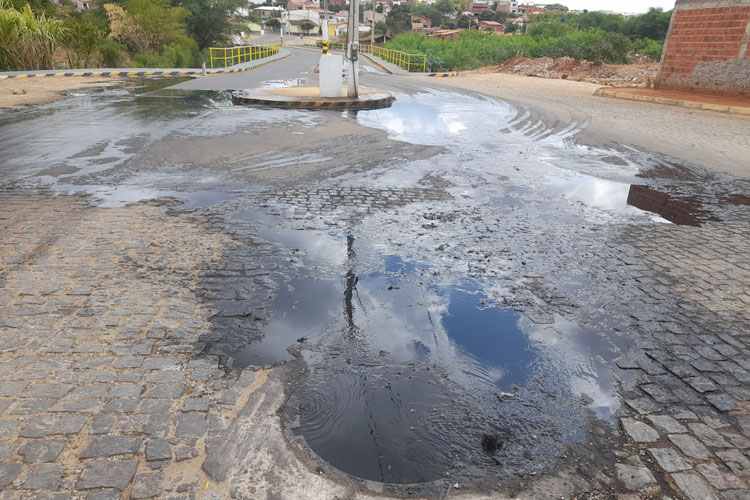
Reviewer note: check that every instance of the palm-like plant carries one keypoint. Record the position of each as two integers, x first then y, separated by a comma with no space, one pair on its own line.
27,41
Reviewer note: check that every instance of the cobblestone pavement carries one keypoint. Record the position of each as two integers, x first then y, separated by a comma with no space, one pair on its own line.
118,326
690,405
100,391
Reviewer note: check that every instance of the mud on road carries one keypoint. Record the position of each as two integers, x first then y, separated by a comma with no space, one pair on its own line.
447,298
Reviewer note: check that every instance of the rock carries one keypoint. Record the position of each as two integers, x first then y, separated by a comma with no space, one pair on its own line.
669,460
693,487
638,431
191,425
719,479
107,474
736,461
709,436
46,450
147,485
109,446
690,446
634,478
44,477
196,404
157,449
667,424
8,473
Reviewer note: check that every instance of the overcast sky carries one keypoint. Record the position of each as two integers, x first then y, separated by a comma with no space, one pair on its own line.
617,5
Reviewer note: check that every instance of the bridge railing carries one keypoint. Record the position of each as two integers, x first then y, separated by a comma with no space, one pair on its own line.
409,62
222,57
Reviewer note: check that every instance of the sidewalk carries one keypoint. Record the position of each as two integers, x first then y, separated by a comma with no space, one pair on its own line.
117,72
680,99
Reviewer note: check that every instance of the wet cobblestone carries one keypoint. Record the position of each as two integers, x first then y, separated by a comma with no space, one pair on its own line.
99,324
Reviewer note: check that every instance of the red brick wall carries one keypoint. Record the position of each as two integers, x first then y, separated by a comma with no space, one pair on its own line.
707,48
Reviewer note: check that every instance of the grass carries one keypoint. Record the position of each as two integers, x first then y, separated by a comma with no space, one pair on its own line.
475,49
27,41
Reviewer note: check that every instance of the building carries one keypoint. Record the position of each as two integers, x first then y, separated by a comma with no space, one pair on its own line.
510,6
479,7
491,26
420,22
708,48
267,12
370,14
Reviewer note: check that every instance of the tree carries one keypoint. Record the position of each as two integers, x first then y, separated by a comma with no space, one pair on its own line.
511,28
398,19
381,28
464,21
307,26
449,24
146,25
208,23
445,6
273,23
654,25
556,7
434,15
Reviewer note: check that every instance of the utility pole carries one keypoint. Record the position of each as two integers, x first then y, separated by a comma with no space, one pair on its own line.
325,27
352,49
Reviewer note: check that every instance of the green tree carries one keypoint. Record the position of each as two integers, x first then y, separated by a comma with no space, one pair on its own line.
208,23
81,41
381,28
307,26
556,7
434,15
445,6
398,19
146,25
449,24
654,25
273,23
465,21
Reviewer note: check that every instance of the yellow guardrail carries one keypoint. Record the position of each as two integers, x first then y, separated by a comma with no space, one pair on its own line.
222,57
409,62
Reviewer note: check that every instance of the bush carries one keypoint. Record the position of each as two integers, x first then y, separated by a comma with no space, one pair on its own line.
475,49
112,53
649,48
27,41
182,54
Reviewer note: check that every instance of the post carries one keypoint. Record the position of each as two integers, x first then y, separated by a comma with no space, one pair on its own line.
352,50
281,31
325,27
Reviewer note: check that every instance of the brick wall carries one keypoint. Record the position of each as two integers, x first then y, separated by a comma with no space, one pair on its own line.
708,47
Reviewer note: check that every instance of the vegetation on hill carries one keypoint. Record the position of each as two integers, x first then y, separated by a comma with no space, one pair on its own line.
591,36
37,34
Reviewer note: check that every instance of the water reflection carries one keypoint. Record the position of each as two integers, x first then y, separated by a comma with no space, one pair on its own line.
683,211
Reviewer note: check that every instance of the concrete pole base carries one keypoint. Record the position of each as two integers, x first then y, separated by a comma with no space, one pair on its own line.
330,69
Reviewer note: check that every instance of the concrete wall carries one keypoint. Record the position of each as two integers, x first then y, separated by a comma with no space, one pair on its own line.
708,48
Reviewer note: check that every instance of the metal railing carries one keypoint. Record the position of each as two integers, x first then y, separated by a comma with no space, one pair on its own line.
222,57
409,62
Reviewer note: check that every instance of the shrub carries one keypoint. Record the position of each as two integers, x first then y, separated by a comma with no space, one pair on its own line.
27,41
649,48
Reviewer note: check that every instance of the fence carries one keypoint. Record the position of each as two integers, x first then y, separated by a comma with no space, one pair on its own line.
222,57
409,62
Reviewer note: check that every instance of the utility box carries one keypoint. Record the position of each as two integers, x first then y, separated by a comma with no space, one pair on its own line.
330,71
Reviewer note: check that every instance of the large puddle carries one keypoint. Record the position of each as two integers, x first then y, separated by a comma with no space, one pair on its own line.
426,355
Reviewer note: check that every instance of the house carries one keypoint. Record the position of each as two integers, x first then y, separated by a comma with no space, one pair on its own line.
298,5
267,12
420,22
83,4
294,27
370,14
509,6
478,8
446,34
491,26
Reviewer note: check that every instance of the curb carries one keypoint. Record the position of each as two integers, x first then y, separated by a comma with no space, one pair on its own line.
444,75
133,74
319,104
704,106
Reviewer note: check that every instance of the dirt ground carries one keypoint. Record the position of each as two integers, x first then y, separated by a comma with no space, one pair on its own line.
16,93
625,75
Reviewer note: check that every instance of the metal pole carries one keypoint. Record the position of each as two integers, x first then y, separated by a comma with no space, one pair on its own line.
325,27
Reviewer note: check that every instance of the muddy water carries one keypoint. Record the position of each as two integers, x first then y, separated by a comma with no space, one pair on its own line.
464,338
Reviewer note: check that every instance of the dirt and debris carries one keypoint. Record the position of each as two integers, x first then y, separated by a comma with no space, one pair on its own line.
566,68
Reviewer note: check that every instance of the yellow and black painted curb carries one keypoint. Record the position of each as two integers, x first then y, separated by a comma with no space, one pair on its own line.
136,74
444,75
354,104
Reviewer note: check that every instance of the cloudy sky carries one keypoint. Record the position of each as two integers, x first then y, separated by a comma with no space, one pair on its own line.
618,5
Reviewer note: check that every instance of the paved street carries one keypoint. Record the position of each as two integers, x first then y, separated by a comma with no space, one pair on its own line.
468,295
